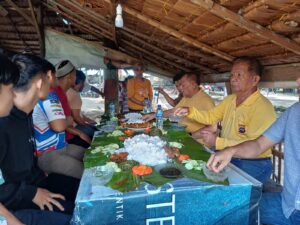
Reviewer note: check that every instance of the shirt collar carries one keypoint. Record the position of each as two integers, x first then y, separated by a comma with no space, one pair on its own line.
251,99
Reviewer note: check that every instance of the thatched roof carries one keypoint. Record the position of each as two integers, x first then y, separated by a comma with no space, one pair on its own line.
173,35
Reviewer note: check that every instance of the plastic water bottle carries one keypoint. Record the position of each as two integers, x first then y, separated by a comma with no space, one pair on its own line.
155,99
159,117
112,110
147,106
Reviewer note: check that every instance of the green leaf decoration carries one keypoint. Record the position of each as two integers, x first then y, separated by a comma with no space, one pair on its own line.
124,181
156,179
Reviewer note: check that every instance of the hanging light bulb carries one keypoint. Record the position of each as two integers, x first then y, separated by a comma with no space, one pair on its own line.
119,20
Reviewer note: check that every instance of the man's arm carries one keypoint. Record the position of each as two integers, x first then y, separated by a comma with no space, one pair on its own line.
251,149
76,114
96,90
248,149
261,120
55,114
11,219
151,116
207,117
170,100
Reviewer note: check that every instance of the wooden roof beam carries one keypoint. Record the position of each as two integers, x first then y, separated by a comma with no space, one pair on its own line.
85,25
177,47
20,11
252,27
177,34
55,5
79,25
187,62
38,29
155,56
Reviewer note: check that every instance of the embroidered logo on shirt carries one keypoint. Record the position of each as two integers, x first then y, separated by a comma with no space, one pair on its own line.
242,129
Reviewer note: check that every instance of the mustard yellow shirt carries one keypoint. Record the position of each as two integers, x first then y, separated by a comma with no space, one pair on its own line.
201,101
139,90
245,122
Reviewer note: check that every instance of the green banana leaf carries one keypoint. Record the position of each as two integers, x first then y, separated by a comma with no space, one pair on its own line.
124,181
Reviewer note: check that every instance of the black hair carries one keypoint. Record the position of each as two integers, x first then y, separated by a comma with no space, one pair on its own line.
178,76
9,72
30,66
193,76
80,77
254,66
49,66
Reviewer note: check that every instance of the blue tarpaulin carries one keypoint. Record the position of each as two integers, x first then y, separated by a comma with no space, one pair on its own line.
182,202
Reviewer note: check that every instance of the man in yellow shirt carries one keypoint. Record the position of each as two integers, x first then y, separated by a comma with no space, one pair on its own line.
138,89
193,96
245,115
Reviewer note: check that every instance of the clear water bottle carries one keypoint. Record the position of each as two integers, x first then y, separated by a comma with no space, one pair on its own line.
112,110
159,117
155,100
147,106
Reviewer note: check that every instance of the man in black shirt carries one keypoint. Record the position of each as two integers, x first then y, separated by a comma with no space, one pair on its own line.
25,185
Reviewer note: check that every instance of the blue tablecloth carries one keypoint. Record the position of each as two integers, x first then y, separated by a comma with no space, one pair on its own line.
181,202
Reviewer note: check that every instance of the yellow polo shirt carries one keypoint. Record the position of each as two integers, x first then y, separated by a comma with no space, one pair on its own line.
245,122
201,101
139,89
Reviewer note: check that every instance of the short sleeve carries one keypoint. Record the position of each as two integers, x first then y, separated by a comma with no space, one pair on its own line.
53,108
276,131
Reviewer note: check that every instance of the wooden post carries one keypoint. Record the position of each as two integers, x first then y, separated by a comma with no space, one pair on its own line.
40,21
111,86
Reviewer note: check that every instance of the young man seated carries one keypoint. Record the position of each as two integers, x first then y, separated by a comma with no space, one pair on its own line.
9,76
25,184
55,155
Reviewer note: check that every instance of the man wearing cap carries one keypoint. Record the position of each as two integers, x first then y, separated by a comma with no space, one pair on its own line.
66,76
245,115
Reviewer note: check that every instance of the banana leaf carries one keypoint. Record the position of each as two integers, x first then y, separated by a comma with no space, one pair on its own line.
93,160
124,181
156,179
191,147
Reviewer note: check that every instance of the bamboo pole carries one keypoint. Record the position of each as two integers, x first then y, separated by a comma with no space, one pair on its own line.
37,28
23,14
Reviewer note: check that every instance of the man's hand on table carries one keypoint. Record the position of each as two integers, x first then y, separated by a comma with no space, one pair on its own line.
44,198
181,111
149,117
219,160
209,138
